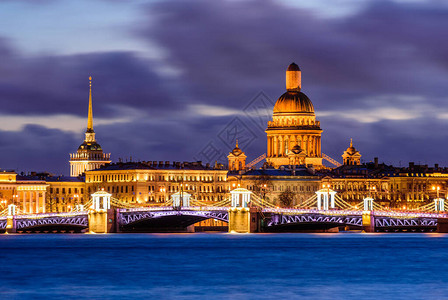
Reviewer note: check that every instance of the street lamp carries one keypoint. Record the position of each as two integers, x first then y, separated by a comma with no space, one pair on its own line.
436,188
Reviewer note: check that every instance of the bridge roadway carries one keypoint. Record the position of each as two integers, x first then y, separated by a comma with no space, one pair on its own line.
162,219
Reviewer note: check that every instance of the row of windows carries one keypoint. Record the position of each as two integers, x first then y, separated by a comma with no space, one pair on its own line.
69,190
126,177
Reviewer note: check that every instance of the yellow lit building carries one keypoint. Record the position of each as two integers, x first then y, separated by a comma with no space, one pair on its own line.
155,182
29,195
64,193
294,134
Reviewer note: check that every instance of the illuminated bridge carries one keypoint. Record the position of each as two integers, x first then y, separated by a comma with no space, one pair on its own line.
243,212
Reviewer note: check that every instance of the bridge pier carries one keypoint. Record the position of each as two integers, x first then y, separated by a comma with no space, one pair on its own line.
102,221
11,225
243,220
442,225
368,221
101,217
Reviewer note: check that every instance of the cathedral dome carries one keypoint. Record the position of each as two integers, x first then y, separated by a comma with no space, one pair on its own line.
90,146
237,151
293,102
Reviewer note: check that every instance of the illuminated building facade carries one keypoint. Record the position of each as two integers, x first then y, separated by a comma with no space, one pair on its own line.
393,187
155,182
90,155
294,134
270,183
64,193
351,156
237,159
28,194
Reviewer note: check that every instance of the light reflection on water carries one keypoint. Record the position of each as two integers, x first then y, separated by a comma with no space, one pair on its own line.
224,266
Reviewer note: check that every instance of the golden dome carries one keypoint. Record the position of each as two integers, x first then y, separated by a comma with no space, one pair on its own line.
293,102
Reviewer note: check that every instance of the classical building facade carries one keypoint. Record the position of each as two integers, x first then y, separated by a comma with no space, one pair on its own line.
90,154
155,182
28,194
294,134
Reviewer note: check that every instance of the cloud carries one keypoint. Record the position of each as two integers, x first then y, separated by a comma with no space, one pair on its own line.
55,85
378,74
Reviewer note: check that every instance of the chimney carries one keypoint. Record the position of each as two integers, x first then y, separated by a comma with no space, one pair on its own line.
376,162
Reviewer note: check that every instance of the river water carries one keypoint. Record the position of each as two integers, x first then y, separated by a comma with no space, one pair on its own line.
224,266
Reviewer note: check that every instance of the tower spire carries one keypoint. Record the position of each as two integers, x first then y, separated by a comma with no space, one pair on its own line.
351,142
90,116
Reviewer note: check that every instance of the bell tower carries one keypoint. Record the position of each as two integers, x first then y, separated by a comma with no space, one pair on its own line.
237,159
90,155
351,156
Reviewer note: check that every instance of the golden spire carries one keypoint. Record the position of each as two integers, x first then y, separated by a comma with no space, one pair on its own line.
236,146
351,142
90,116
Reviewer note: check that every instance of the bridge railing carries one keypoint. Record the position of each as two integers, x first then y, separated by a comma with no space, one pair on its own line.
160,208
46,215
311,211
411,214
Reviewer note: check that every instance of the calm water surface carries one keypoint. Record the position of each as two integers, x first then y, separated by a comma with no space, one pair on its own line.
224,266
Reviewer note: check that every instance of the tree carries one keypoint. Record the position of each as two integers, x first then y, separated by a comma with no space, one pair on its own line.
287,198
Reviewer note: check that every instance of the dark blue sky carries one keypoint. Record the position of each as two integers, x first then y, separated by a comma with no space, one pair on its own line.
178,80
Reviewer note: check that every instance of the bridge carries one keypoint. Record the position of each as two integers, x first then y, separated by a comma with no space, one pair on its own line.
244,211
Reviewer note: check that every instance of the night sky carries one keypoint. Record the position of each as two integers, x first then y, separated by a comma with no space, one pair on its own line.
180,80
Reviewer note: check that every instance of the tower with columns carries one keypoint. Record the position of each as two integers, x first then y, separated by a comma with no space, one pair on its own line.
90,155
294,126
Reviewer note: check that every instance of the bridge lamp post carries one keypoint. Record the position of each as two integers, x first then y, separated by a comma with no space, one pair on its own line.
439,203
14,198
436,188
4,202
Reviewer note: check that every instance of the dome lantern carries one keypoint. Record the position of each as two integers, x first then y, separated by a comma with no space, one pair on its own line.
293,78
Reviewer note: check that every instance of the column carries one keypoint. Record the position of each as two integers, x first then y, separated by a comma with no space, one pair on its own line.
280,143
24,201
44,201
36,194
275,146
270,146
319,201
30,204
318,146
